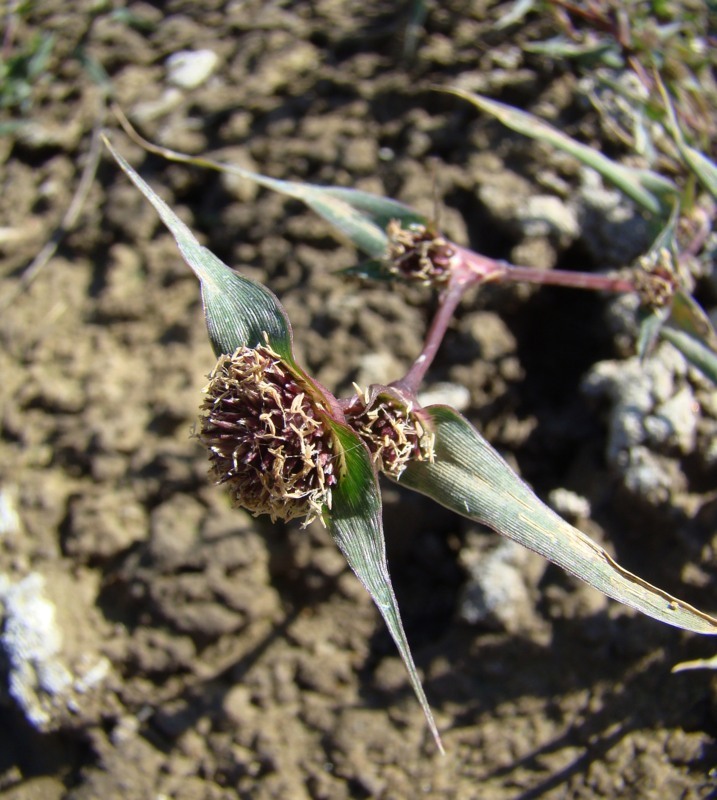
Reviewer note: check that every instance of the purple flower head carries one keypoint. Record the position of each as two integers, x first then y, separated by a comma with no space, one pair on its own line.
268,439
394,430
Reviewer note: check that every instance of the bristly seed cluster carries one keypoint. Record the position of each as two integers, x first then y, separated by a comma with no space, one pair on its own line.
393,431
655,279
417,254
267,436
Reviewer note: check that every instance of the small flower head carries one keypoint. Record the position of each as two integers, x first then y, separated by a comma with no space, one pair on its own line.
655,279
417,254
394,432
267,436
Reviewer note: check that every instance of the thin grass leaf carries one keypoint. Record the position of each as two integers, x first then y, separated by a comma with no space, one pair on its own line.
520,9
687,316
703,167
651,323
698,663
469,477
238,311
360,216
356,526
648,189
380,210
694,350
372,270
414,27
589,52
663,252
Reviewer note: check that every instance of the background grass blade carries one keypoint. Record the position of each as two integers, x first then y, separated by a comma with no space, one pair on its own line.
469,477
648,189
694,350
703,167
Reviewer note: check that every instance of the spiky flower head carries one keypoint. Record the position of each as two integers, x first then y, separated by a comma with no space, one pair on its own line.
266,430
394,431
417,254
655,279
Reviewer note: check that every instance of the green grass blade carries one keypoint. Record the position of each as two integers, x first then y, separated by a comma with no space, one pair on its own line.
469,477
694,350
380,210
688,316
238,311
356,526
520,9
360,216
703,167
648,189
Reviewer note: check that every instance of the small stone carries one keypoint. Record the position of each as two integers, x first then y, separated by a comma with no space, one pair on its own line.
569,504
32,641
679,413
9,518
378,367
189,69
502,576
547,215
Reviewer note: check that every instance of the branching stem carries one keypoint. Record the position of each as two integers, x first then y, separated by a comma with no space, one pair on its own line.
448,303
470,268
559,277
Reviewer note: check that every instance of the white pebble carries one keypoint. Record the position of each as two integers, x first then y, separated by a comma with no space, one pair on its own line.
189,69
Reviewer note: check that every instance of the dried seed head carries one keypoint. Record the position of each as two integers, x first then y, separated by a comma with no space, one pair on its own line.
417,254
267,436
655,279
393,431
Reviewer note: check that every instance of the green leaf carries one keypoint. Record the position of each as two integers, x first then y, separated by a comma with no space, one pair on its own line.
372,270
520,9
651,322
238,311
650,190
688,316
356,526
359,215
662,252
694,350
703,167
330,205
589,52
469,477
380,210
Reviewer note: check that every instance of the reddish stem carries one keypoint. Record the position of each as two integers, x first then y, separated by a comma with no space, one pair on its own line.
469,268
487,269
448,303
559,277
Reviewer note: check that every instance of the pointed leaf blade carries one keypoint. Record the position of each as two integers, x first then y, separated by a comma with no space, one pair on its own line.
356,526
238,311
380,210
650,326
361,216
703,167
688,316
365,234
694,350
469,477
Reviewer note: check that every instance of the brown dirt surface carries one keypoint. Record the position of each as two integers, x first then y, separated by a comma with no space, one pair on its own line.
188,650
